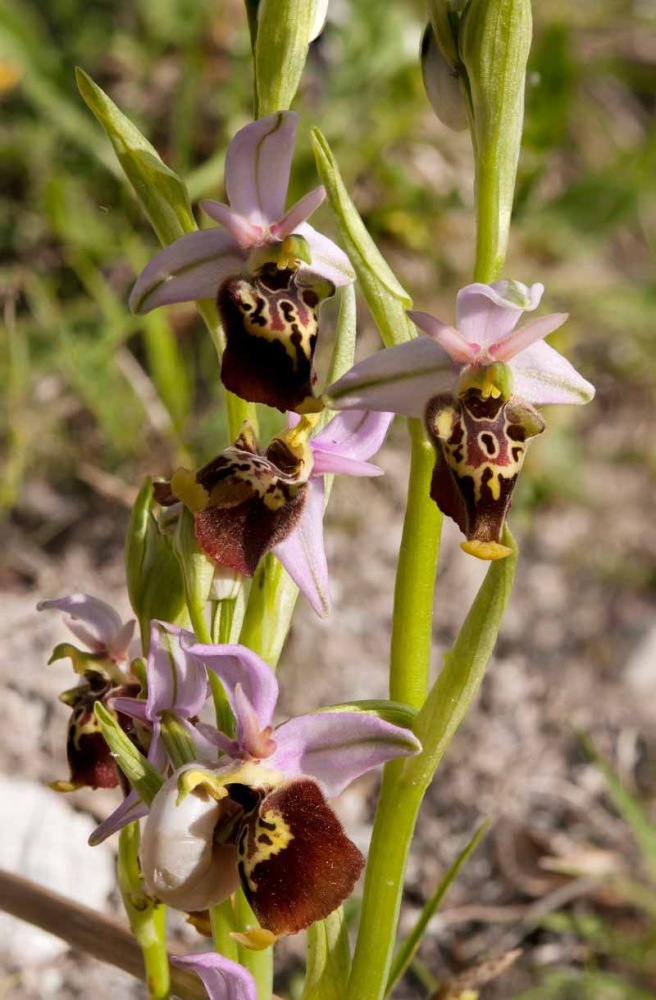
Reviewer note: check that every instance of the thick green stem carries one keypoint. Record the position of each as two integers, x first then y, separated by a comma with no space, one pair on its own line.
222,919
147,919
415,579
492,224
405,783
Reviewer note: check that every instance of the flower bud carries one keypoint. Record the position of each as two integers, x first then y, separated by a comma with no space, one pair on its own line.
495,39
155,581
442,84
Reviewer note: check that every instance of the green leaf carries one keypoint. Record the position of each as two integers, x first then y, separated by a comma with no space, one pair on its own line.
281,49
328,959
141,774
386,297
160,192
154,578
464,667
629,808
409,947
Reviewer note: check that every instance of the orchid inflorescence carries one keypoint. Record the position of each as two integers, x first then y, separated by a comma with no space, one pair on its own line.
234,803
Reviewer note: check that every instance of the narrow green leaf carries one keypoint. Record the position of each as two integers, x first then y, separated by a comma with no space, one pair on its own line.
160,192
386,297
409,947
464,667
281,47
141,774
328,959
629,808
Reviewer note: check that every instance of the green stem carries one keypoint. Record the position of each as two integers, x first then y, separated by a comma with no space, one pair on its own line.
222,919
147,919
492,220
258,963
405,782
415,578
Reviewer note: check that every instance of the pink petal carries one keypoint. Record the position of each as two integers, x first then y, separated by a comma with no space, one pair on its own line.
236,665
223,979
357,434
132,808
399,379
541,375
337,747
191,268
486,314
177,682
243,232
105,623
455,345
298,213
519,340
327,463
327,258
257,167
303,554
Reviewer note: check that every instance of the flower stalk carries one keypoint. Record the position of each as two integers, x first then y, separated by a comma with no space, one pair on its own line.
147,918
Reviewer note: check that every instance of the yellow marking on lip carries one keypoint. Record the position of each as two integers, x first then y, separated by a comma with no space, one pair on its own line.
192,494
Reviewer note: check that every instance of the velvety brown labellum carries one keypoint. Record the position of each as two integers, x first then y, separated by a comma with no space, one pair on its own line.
296,863
271,325
89,758
479,450
252,503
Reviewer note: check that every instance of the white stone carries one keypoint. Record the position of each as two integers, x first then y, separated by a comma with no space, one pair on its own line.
45,840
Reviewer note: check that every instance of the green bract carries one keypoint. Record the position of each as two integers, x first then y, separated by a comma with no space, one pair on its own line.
155,582
386,297
159,191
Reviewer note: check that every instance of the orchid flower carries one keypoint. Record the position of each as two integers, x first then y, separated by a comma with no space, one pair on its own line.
404,378
246,504
104,669
222,978
176,689
259,817
474,384
269,268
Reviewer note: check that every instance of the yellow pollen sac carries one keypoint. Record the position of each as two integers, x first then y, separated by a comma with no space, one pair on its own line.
489,551
192,494
293,250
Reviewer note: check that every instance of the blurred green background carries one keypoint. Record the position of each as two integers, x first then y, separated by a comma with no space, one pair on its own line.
94,398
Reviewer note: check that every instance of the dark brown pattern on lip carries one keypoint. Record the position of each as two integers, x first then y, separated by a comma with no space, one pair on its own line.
296,863
251,501
479,450
271,325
